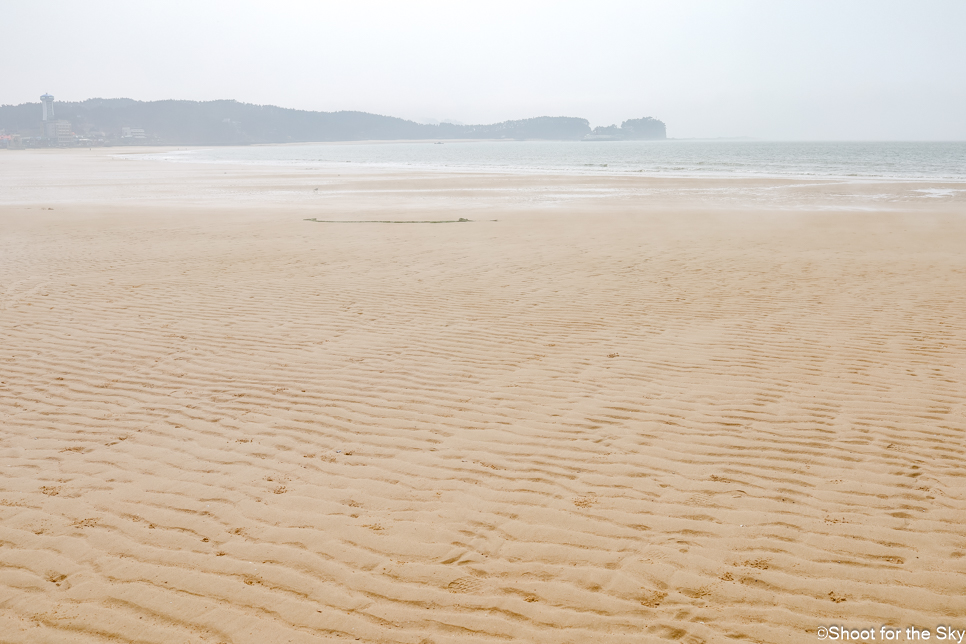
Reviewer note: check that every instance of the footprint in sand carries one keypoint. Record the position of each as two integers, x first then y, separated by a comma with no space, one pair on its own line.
464,585
653,598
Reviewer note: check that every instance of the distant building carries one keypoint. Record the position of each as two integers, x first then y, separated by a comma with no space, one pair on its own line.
133,133
47,101
59,132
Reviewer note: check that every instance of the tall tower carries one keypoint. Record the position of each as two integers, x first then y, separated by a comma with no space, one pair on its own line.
48,102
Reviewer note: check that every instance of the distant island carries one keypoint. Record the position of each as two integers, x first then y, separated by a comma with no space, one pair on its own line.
124,121
645,129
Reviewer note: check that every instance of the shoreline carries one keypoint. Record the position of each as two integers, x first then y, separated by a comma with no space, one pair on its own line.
586,169
178,154
101,177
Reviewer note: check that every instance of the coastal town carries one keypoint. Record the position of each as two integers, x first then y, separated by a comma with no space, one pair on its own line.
124,121
50,131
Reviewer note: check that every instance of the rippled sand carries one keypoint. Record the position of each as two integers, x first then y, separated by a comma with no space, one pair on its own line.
628,410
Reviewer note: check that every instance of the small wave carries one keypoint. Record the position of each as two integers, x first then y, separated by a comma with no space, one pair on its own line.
890,161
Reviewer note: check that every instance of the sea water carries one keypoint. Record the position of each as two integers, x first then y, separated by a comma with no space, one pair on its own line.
904,161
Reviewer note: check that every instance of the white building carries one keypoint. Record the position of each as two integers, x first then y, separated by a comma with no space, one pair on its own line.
133,133
47,101
58,131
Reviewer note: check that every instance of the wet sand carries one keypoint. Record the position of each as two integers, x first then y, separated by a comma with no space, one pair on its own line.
627,410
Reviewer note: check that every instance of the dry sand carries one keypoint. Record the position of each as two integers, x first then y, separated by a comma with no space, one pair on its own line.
630,410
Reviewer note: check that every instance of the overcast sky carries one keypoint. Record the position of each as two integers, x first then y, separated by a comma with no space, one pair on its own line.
849,69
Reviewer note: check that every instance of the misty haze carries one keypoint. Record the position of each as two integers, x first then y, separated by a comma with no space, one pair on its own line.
437,323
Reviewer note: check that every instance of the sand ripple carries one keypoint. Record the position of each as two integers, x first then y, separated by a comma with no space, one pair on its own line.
544,429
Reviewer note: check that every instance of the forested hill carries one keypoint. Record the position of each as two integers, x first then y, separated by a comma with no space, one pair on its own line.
232,123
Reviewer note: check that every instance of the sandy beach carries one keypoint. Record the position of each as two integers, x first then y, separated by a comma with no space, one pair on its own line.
604,409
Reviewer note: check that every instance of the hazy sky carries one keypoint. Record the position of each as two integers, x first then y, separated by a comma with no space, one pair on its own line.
848,69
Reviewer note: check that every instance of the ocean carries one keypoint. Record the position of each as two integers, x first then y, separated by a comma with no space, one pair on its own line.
859,161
